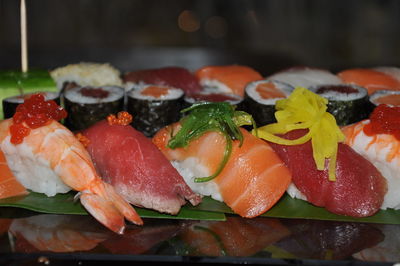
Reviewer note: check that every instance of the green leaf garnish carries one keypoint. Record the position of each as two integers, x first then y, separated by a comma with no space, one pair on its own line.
205,117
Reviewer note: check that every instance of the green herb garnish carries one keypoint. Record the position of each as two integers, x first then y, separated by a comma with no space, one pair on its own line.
205,117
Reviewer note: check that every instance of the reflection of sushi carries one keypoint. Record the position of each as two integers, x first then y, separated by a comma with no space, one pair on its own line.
227,79
347,103
371,79
56,233
154,107
233,237
305,77
87,105
260,98
377,139
245,172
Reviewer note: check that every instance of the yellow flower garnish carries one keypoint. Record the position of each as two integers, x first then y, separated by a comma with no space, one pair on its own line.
304,109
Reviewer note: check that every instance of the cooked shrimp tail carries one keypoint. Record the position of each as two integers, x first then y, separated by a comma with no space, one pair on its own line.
108,207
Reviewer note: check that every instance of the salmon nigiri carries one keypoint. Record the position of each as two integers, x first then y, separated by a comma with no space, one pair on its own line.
371,79
47,158
228,79
9,185
244,172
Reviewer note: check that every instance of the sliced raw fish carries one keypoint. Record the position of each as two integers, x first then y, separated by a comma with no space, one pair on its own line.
130,162
359,188
177,77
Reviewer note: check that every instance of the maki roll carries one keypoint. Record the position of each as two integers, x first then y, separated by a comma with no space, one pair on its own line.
346,102
10,103
260,98
391,98
87,105
154,107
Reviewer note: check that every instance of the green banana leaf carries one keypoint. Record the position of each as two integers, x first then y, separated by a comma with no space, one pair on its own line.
209,209
288,207
65,204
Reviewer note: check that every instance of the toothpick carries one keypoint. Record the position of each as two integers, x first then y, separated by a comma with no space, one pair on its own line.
24,39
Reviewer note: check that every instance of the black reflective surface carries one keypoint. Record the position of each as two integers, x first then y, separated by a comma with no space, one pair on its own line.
28,238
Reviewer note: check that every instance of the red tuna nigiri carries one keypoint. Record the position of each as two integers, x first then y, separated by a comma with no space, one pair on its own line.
177,77
130,162
359,188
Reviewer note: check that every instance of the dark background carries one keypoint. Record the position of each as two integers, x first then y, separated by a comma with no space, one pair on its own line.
268,35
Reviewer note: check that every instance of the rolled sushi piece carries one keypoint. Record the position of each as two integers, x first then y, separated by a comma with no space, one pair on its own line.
346,102
154,107
391,98
88,105
260,98
10,103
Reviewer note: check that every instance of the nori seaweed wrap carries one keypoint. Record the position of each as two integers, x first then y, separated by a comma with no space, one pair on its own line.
154,107
88,105
10,103
346,102
260,98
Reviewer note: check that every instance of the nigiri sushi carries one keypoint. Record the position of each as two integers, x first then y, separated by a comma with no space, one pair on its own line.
327,172
228,78
371,79
305,77
9,185
46,157
129,161
378,140
219,159
173,76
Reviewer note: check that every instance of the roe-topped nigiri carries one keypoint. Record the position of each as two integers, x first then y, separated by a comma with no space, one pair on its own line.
378,140
129,161
218,158
46,157
327,172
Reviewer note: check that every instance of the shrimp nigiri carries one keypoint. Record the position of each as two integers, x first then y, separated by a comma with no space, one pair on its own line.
245,172
49,159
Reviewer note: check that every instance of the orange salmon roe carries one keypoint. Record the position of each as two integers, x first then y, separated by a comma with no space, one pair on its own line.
34,112
384,120
123,118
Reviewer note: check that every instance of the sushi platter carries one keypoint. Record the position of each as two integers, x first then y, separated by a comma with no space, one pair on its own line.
81,118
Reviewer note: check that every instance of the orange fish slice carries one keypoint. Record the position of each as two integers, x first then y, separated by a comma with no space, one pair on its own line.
269,91
370,79
235,77
9,186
